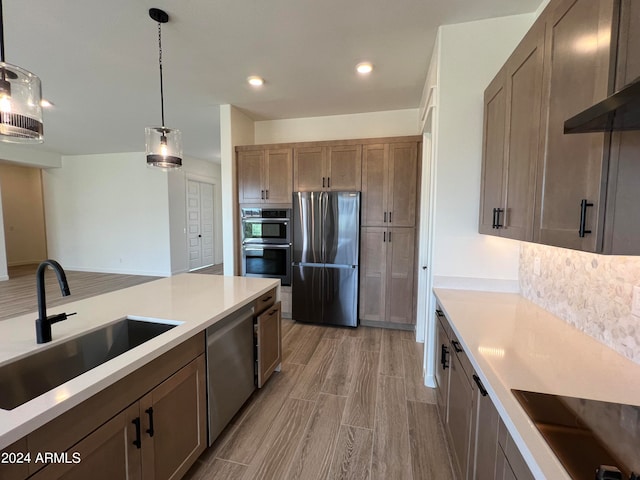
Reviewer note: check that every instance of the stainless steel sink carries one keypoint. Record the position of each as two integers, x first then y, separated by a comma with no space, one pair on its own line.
31,376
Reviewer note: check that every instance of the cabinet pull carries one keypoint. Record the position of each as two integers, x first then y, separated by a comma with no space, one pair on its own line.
483,391
456,346
266,299
384,236
439,312
267,194
389,217
137,442
583,217
275,310
385,217
493,221
444,361
149,411
498,212
262,194
389,237
322,182
328,182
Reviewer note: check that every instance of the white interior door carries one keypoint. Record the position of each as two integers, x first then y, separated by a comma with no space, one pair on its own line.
199,224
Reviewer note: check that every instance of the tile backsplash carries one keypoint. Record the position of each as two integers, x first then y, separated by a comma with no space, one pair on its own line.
591,292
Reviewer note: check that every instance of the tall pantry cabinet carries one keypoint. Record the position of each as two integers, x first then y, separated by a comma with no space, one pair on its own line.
390,173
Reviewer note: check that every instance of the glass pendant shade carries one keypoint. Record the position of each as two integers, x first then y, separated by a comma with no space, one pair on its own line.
164,147
20,105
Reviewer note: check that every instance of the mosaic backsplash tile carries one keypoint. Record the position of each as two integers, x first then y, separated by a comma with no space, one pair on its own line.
591,292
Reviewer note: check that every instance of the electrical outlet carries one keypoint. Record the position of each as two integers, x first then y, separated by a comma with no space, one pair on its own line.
635,302
536,266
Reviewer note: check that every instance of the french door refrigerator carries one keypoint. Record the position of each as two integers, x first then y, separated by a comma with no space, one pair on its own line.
326,229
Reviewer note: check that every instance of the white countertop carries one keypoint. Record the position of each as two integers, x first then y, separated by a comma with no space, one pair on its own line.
514,344
195,301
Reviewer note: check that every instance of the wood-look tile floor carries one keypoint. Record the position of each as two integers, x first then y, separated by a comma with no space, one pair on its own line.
348,404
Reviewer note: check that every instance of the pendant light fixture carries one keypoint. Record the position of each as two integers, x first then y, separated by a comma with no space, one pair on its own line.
163,145
20,97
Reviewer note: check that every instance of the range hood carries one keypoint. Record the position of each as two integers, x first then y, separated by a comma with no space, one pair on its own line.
620,111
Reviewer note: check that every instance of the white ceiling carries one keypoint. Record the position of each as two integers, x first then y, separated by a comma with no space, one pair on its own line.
98,61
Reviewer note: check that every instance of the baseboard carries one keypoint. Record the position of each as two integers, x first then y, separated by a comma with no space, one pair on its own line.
4,278
430,381
388,325
144,273
471,283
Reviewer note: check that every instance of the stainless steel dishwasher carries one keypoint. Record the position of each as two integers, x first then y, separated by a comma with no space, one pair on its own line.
230,368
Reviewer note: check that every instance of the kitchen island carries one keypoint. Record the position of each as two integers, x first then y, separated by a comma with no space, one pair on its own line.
512,343
192,302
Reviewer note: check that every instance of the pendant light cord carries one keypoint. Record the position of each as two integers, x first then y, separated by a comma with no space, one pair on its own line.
1,36
160,63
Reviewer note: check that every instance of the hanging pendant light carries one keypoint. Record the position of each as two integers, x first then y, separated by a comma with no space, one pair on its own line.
20,97
163,145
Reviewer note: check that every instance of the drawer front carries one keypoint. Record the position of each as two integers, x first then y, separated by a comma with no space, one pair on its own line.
265,301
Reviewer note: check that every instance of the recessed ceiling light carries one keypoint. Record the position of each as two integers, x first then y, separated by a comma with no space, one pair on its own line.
44,103
364,68
255,81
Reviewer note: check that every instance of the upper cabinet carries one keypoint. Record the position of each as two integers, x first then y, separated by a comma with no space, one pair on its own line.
264,176
389,184
330,167
577,75
511,141
538,183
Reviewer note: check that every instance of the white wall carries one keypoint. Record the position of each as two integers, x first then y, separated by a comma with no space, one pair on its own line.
23,211
108,213
235,129
29,156
338,127
470,54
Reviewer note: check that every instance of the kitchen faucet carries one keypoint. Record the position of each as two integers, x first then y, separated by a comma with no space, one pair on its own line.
43,323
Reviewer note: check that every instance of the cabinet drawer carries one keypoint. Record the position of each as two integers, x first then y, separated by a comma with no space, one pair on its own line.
463,360
265,301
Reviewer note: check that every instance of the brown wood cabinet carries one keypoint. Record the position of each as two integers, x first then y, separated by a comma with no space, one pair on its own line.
268,336
512,115
328,167
443,363
264,176
577,75
390,184
387,273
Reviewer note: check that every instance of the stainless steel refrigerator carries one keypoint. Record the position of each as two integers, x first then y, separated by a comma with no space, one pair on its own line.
326,231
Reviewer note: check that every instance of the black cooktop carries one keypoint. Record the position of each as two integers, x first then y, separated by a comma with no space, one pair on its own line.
585,434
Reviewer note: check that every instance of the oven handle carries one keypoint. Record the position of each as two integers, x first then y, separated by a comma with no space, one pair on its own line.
259,248
263,220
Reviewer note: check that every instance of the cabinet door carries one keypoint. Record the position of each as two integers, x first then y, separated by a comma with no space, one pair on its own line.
373,273
345,168
403,184
309,169
13,470
484,435
375,185
628,60
174,423
108,453
493,153
278,175
443,363
250,176
524,102
400,275
269,343
577,75
459,422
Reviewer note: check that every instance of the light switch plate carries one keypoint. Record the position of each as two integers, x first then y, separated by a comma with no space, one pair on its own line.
635,302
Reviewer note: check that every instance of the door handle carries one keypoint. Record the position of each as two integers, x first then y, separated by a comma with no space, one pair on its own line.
583,217
199,236
137,442
424,267
149,411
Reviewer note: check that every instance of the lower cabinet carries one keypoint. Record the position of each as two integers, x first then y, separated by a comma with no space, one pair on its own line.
481,448
387,276
268,337
151,425
157,438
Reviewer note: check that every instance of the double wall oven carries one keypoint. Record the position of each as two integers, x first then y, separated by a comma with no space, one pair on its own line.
266,243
